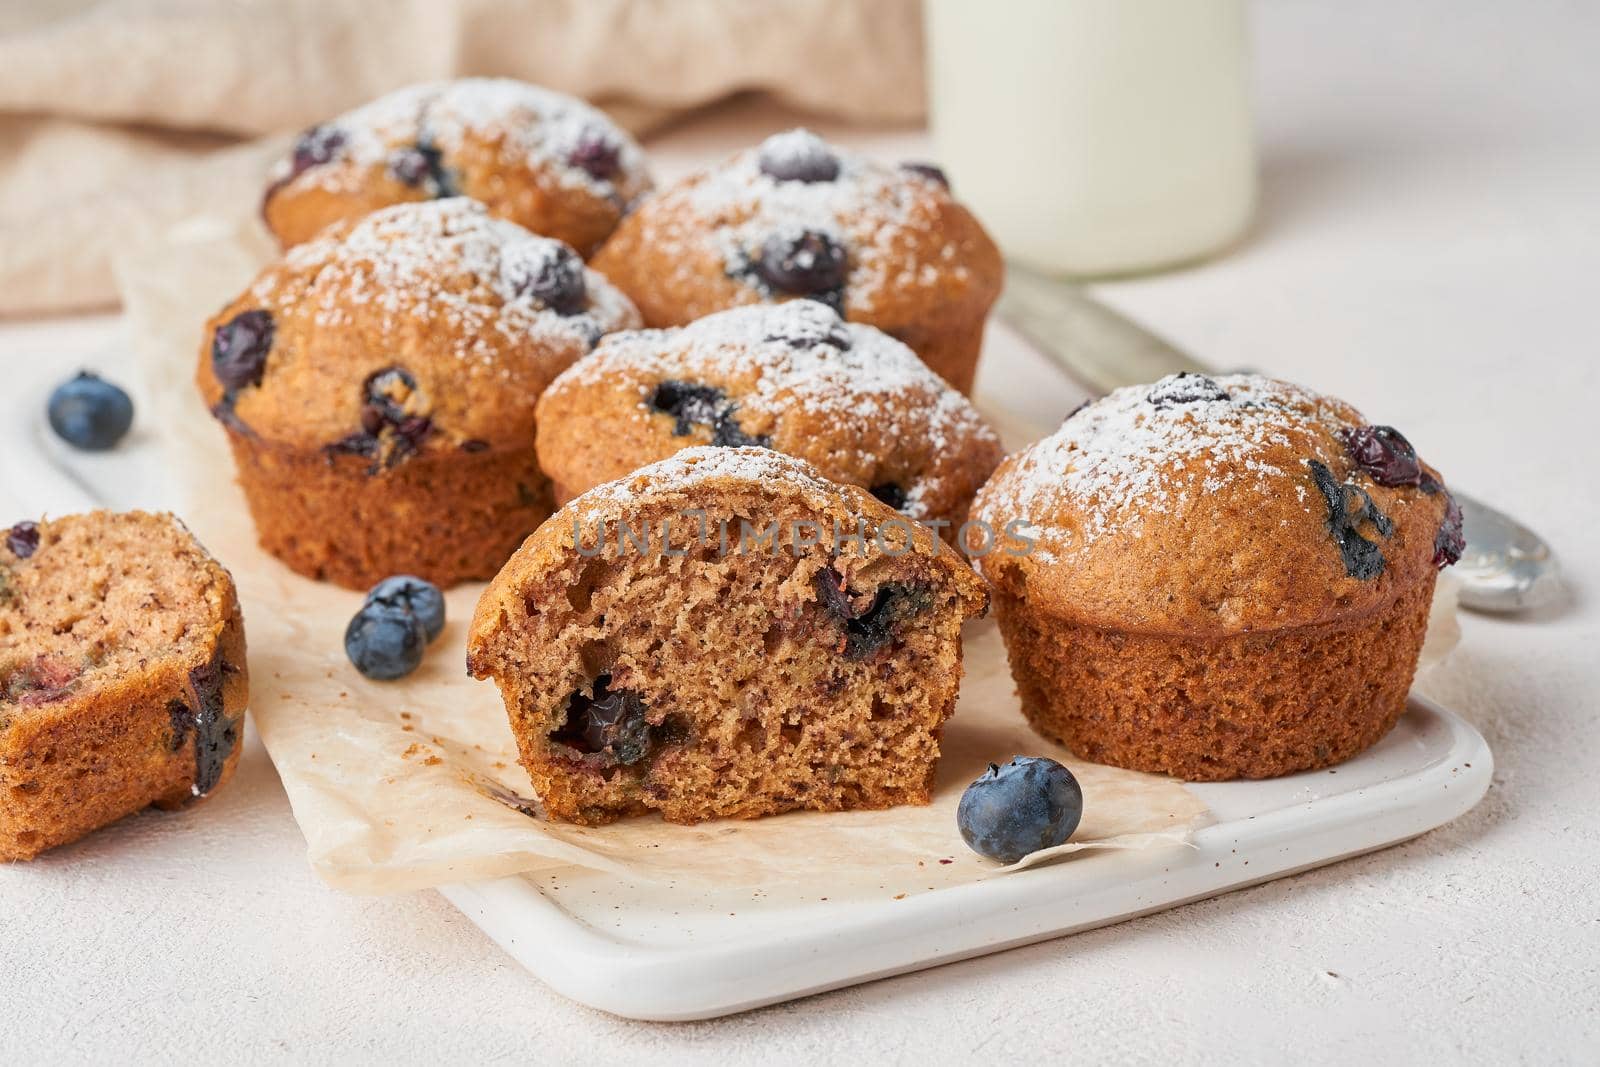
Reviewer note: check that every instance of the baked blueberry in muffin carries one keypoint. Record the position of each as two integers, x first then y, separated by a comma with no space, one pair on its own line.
694,639
849,399
798,218
545,161
378,386
122,675
1222,577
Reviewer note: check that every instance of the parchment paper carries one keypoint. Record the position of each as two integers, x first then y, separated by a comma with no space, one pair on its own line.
409,784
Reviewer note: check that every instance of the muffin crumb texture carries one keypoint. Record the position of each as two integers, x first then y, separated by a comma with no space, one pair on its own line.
723,683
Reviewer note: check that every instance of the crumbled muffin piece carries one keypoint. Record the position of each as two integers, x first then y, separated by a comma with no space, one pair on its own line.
693,640
122,675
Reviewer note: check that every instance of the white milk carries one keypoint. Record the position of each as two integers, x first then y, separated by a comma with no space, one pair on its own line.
1096,137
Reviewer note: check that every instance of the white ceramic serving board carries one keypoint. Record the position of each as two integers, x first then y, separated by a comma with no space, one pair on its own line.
654,952
664,953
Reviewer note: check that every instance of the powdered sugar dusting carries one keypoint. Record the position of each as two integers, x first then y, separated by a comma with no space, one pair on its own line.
804,357
1124,457
536,128
446,260
867,209
696,467
791,150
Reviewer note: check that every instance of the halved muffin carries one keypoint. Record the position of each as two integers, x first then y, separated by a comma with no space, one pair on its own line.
726,633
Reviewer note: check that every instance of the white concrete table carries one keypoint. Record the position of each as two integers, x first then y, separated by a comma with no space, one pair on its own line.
1429,246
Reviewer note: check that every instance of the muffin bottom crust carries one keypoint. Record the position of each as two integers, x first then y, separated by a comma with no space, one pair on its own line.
446,517
1252,705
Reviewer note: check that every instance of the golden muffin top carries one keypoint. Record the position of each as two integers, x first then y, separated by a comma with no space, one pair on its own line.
1209,506
542,159
799,217
795,377
420,326
103,599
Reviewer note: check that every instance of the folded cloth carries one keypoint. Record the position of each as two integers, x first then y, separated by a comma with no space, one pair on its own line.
120,117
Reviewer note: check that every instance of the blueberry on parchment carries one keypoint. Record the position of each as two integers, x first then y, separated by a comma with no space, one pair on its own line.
1029,804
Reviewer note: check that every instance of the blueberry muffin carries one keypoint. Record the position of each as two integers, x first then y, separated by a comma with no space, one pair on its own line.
794,377
545,161
706,639
797,217
122,675
378,385
1217,578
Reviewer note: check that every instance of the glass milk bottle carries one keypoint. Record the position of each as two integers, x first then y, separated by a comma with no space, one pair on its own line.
1096,137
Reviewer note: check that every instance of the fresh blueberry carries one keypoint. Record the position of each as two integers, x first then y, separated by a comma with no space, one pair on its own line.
890,494
597,154
691,404
216,733
90,413
871,625
1185,388
807,324
384,394
797,156
809,263
387,396
554,278
928,171
1384,453
316,146
1348,506
385,642
41,680
1451,540
421,166
411,166
239,348
410,593
23,539
1014,811
611,722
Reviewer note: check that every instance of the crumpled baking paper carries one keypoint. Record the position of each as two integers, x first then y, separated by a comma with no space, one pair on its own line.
411,784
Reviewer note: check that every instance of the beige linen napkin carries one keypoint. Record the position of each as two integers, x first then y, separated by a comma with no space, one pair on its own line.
121,117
